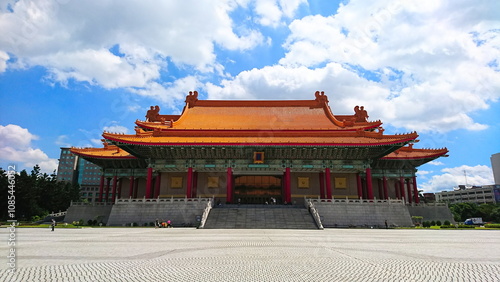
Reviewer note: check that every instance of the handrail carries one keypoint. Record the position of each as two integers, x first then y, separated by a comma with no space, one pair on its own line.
57,214
206,212
314,212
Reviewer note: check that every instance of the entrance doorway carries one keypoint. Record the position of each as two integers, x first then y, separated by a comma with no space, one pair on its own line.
257,189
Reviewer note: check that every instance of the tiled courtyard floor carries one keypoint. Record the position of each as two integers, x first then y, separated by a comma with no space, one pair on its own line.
183,254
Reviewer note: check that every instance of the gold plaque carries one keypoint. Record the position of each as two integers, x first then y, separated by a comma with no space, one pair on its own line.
176,182
213,182
303,182
340,182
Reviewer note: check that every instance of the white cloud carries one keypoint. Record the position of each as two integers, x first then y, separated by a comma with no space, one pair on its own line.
62,141
120,44
170,93
3,61
16,147
344,88
452,177
115,128
434,57
272,12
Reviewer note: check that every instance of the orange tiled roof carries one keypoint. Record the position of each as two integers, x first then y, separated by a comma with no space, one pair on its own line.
108,152
408,152
332,138
259,115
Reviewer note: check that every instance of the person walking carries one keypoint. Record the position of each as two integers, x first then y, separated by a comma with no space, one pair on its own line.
53,224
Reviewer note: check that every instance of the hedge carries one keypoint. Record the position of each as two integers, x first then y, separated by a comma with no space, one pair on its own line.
492,225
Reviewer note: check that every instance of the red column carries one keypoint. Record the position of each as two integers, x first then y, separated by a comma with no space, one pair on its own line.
402,188
380,190
408,189
157,185
322,185
288,190
360,186
369,186
149,180
136,188
119,188
415,190
328,183
195,183
396,187
113,192
386,191
131,187
229,185
101,188
108,182
189,182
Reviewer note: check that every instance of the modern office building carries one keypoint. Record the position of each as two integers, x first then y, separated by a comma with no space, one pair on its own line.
486,194
72,168
495,165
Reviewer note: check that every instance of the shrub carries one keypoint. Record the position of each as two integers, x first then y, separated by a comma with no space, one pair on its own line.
438,223
94,222
447,222
447,226
135,224
492,225
80,222
89,222
466,226
426,224
433,223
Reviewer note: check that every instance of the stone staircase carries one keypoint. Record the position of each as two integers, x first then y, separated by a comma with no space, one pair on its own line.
259,217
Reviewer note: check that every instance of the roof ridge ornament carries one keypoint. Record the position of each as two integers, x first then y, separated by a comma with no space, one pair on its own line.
360,114
191,99
153,113
321,98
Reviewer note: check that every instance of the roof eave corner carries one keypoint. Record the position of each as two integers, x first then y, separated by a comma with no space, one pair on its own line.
322,102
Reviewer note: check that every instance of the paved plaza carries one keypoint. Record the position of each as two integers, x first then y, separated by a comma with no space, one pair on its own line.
185,254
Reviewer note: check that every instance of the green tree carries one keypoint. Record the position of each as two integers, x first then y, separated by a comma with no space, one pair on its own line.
462,211
36,194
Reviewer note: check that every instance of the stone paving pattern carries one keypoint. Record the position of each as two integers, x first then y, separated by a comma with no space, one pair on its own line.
188,254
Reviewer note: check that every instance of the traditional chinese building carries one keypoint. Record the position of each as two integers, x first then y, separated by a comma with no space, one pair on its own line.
258,152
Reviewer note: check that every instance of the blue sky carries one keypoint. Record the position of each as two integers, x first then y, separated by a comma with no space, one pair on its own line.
71,69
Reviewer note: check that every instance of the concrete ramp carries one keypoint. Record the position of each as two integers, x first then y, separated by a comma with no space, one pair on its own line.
432,212
181,212
364,213
79,211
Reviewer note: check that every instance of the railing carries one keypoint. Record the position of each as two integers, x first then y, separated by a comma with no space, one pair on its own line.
162,200
359,201
314,212
57,214
206,212
91,204
429,204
